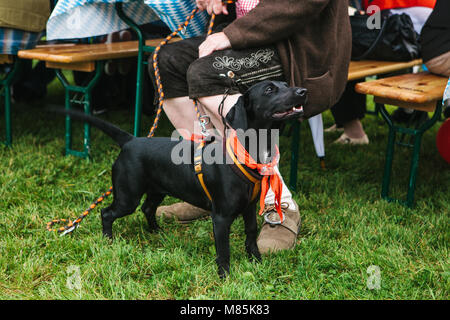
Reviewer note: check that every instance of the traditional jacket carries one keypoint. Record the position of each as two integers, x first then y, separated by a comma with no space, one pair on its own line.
313,38
28,15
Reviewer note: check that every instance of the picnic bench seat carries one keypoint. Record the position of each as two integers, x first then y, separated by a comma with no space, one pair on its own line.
86,58
367,68
419,91
82,57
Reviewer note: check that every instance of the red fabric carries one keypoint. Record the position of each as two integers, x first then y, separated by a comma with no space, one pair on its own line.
265,169
197,138
443,140
245,6
392,4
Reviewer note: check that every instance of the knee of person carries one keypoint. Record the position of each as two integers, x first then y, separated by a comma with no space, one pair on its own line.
197,71
165,60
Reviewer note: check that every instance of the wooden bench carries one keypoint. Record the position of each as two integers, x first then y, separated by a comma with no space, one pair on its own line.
5,91
357,70
420,91
368,68
87,58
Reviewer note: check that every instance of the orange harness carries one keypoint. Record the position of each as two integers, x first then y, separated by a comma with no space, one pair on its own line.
242,159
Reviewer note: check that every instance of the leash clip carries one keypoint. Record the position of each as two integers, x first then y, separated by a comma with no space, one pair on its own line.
69,230
204,121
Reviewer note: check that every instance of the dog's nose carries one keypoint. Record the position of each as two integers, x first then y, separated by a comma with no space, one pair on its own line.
301,91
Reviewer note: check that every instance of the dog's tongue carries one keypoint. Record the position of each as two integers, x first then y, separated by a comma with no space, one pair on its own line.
287,112
297,109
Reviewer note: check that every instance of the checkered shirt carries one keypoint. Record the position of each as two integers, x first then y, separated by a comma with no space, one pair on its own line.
245,6
13,40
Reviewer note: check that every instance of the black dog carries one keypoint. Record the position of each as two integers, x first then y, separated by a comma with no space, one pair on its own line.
144,166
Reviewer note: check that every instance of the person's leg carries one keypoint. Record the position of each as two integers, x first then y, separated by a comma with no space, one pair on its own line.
182,115
348,112
286,195
211,107
440,65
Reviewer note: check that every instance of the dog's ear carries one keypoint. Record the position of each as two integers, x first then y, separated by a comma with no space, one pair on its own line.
237,116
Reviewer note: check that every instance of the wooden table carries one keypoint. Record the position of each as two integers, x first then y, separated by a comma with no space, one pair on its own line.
88,58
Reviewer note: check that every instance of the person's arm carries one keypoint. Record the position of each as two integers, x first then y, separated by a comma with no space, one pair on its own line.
271,21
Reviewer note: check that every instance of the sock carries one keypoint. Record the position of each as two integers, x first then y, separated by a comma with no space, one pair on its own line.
408,111
286,195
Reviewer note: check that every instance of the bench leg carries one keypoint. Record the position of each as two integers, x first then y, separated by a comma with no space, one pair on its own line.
417,137
140,67
85,101
413,170
294,155
375,111
5,90
388,163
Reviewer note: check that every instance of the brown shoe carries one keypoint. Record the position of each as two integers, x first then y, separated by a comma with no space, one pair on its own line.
275,236
183,212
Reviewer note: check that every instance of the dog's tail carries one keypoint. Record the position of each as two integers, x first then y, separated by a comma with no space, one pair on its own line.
118,135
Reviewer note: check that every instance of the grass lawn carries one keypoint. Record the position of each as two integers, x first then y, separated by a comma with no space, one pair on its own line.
346,227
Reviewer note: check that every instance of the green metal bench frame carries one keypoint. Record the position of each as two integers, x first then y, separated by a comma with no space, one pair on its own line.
71,92
416,135
5,93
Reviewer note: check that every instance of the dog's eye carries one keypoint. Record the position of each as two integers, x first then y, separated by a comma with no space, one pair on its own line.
269,90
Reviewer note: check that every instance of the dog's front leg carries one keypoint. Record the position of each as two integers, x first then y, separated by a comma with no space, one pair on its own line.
221,228
251,231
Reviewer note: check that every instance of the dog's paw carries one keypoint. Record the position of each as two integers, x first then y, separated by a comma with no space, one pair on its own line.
223,272
154,229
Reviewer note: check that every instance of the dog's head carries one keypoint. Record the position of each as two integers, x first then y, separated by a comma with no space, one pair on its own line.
267,102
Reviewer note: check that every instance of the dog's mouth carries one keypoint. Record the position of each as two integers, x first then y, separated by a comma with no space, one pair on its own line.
292,111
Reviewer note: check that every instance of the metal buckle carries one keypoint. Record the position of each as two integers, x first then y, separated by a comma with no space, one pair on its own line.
69,230
204,121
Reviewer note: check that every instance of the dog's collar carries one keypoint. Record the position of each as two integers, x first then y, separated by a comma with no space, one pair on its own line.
270,178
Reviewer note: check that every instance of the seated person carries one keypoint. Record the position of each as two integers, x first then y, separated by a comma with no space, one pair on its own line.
351,108
435,39
307,45
22,24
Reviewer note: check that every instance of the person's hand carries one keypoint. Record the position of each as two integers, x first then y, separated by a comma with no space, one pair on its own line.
212,6
214,42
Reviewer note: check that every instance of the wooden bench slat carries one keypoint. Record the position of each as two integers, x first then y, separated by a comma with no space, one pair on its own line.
74,53
76,66
416,90
367,68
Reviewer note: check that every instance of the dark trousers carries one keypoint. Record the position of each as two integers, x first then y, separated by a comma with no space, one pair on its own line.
350,107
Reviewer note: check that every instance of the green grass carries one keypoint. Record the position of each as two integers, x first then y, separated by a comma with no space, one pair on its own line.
346,226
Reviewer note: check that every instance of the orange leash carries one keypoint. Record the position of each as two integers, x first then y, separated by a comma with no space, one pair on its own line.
71,226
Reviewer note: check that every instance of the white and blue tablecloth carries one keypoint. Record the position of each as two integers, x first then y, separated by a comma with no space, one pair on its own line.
73,19
13,40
